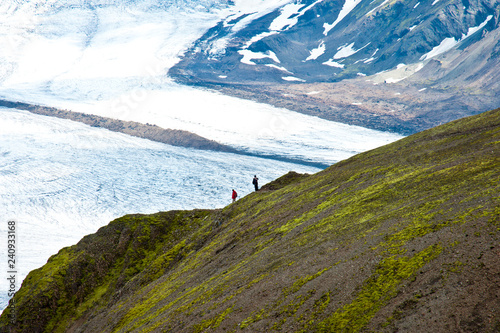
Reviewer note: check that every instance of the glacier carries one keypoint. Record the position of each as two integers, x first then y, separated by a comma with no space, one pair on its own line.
61,180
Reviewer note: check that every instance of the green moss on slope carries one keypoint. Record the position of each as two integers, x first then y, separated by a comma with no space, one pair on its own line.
376,291
86,275
365,245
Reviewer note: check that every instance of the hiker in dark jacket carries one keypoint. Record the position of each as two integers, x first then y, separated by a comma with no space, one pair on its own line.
255,182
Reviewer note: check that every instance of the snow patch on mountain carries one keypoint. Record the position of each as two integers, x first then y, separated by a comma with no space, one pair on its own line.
332,63
345,51
376,8
248,11
289,17
279,68
449,43
317,52
248,56
293,79
400,73
348,6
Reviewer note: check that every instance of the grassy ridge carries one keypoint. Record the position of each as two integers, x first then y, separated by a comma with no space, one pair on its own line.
404,237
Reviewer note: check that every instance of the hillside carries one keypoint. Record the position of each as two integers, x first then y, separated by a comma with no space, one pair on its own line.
375,63
401,238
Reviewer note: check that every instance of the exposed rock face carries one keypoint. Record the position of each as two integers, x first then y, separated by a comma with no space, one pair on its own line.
446,50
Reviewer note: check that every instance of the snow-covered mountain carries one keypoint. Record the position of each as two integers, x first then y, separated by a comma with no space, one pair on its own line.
327,40
61,180
414,64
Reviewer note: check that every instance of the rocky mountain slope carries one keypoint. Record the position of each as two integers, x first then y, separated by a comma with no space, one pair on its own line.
401,238
381,64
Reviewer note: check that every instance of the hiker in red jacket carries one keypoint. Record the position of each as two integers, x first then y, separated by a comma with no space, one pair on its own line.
235,195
